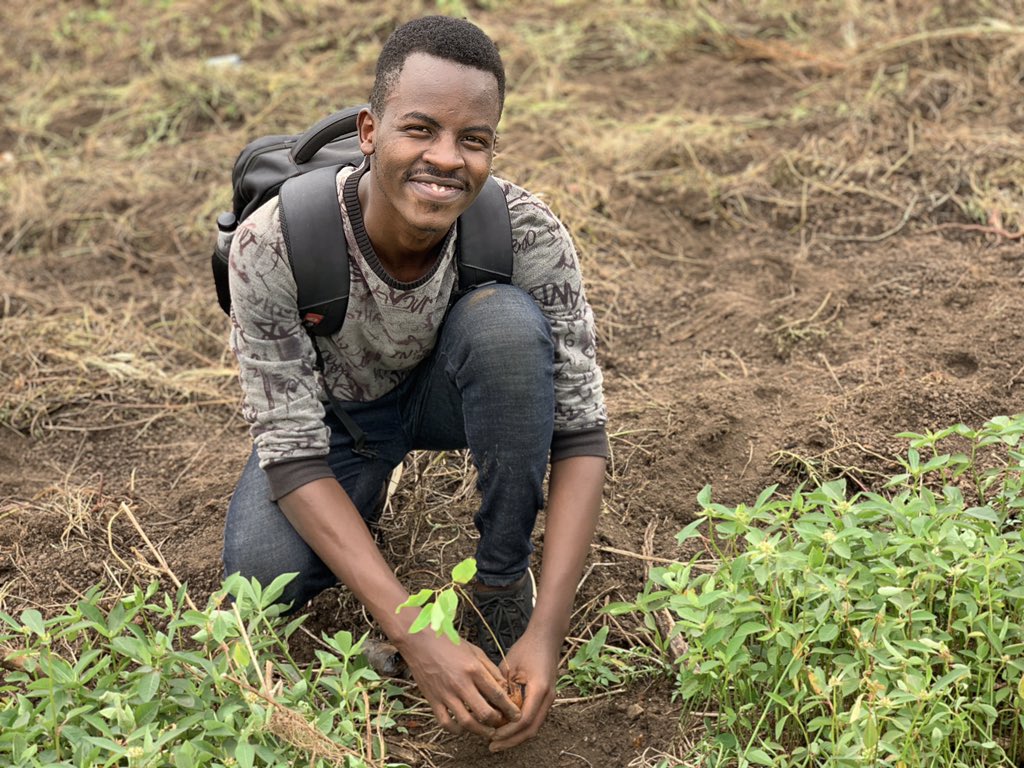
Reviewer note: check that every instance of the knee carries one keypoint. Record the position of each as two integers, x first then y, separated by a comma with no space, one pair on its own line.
265,567
260,543
503,321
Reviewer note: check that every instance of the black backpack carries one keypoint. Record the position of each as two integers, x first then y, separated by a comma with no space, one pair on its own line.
301,169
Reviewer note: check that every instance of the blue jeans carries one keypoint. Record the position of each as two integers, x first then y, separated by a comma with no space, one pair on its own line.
487,386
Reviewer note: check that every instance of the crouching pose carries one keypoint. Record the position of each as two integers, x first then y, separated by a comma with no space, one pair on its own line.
507,370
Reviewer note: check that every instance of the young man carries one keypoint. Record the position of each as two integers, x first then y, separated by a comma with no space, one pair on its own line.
508,371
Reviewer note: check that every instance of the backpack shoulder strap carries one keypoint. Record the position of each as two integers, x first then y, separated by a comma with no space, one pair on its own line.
315,238
485,239
314,235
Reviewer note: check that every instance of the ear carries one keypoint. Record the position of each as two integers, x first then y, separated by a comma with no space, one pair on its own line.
366,125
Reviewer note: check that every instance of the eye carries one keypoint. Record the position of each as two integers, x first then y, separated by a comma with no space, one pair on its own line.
478,141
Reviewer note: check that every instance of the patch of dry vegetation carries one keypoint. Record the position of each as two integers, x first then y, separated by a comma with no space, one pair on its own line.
119,129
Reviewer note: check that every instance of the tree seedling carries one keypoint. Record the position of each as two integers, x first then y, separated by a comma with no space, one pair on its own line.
439,609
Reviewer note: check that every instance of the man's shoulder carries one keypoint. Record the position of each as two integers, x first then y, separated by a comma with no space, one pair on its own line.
265,221
525,207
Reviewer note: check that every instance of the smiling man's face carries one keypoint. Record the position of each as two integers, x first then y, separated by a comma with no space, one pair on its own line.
431,152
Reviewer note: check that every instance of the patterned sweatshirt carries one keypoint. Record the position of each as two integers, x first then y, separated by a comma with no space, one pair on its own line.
389,328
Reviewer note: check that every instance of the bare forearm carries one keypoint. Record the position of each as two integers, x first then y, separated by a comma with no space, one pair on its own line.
574,502
324,516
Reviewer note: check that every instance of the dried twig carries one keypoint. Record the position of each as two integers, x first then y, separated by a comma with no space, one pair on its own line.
124,508
676,642
881,235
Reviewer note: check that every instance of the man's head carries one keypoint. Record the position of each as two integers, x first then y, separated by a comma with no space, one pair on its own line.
455,40
430,133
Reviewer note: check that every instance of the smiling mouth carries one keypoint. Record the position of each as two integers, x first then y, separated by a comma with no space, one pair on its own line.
437,191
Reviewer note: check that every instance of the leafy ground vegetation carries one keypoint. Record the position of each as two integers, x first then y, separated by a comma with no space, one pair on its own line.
800,223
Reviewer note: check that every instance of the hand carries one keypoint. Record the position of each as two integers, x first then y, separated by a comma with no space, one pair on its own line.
533,663
464,689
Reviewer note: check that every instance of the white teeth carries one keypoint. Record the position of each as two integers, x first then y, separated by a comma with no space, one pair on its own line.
439,189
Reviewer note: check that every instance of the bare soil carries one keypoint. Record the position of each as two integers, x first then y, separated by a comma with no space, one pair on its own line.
745,342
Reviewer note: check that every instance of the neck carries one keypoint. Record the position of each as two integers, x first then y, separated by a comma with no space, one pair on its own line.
408,266
406,254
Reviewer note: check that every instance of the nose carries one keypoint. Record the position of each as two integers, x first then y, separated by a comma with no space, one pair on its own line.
445,153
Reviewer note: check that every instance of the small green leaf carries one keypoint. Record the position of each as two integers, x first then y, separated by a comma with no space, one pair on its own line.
417,600
690,531
827,633
870,733
244,754
855,710
149,683
33,619
842,549
449,631
704,496
620,609
758,757
449,603
422,620
464,572
437,616
240,655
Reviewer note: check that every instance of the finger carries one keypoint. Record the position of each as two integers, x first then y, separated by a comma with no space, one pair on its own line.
535,710
505,738
498,699
492,670
481,710
465,719
514,739
495,689
444,719
461,713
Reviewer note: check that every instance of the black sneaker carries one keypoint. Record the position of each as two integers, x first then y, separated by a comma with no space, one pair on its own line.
507,611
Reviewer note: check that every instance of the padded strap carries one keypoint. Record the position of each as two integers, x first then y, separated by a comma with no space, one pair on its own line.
315,238
485,239
328,129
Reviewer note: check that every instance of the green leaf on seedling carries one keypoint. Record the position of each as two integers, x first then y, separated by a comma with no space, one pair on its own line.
620,609
437,616
449,631
416,601
421,621
449,602
464,572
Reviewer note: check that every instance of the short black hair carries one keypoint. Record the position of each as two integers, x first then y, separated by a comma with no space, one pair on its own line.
455,40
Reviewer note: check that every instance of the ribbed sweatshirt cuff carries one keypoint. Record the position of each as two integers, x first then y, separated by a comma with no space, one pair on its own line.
583,442
284,477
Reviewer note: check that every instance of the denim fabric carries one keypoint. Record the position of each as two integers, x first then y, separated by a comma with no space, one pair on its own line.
487,386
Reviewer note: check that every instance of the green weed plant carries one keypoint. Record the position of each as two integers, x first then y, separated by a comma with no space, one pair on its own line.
148,681
841,629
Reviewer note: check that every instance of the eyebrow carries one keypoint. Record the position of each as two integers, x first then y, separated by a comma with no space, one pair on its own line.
434,124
